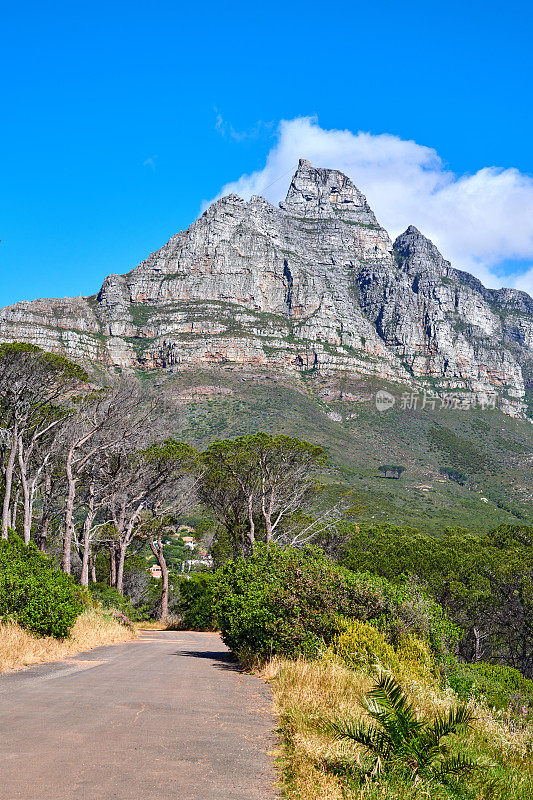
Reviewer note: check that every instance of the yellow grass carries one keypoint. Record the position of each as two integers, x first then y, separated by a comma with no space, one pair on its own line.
151,625
93,628
306,693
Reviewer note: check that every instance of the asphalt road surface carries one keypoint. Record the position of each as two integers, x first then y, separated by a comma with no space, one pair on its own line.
166,717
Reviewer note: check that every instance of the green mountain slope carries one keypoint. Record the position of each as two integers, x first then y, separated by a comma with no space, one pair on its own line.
489,454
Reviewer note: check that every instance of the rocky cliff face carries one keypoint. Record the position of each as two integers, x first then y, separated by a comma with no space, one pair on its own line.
315,284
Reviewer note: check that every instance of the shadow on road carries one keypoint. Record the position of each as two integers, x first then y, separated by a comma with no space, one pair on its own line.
221,659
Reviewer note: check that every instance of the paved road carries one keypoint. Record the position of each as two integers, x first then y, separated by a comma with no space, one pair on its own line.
167,717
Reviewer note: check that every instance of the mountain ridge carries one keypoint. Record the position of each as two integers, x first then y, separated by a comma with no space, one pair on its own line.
314,286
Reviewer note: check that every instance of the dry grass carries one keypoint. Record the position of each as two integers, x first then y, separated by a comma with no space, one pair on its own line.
93,628
151,625
314,766
169,624
306,692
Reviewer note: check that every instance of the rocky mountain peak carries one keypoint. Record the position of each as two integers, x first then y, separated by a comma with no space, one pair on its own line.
416,254
310,287
325,194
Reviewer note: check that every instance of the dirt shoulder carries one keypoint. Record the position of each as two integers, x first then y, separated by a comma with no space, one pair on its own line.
93,628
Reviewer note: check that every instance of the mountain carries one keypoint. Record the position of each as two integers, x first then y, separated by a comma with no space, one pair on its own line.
314,287
292,319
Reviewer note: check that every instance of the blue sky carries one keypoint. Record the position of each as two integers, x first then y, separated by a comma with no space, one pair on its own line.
118,120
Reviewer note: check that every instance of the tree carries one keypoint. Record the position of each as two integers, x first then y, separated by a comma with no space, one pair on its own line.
172,492
454,475
35,388
484,581
96,525
229,487
286,466
127,485
391,470
398,737
103,421
225,496
36,466
159,478
50,493
504,617
156,528
254,484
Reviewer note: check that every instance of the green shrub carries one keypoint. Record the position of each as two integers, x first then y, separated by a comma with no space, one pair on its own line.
35,594
290,601
196,602
362,645
501,686
415,657
109,597
413,612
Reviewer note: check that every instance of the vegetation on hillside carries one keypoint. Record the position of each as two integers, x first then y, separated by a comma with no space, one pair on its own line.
305,576
484,581
495,475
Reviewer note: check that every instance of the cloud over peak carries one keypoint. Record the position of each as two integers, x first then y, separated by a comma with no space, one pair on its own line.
480,221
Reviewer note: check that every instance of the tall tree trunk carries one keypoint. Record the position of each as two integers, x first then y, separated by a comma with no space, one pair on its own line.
267,516
159,554
69,512
45,517
26,500
112,565
251,530
86,534
43,534
164,589
126,540
84,580
477,643
92,566
15,510
9,481
123,549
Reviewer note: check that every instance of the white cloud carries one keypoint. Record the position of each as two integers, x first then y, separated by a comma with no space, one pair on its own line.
150,162
525,281
478,221
226,129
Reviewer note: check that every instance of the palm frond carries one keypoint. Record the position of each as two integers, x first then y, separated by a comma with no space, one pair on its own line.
456,765
446,724
388,694
388,704
368,736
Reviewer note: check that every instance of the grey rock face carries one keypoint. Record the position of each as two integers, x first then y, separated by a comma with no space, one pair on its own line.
326,193
441,326
315,284
416,255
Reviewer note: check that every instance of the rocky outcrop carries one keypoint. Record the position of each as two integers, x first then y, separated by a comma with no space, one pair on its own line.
314,285
324,194
441,326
